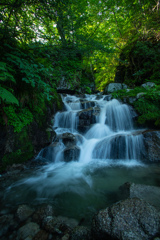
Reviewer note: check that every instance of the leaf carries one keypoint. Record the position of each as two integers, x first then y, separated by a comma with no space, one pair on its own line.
8,96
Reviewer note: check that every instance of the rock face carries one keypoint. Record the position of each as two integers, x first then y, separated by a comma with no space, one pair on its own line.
152,146
131,219
151,194
112,87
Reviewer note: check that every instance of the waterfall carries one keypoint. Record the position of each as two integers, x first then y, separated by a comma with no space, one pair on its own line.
96,150
109,136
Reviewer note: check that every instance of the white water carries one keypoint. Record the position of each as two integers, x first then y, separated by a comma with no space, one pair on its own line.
110,155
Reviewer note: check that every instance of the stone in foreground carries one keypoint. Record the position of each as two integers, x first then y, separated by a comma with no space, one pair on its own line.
130,219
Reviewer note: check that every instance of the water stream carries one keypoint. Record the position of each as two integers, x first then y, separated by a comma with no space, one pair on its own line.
97,150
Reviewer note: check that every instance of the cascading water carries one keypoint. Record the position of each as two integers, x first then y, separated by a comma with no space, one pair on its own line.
96,150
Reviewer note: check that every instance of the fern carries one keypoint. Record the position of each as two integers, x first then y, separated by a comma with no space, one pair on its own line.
7,96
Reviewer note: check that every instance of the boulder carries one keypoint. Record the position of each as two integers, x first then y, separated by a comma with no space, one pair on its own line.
152,146
71,153
29,230
130,219
112,87
42,212
59,225
68,139
148,85
81,232
151,194
24,212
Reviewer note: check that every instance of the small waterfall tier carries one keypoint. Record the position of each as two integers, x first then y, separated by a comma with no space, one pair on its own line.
90,129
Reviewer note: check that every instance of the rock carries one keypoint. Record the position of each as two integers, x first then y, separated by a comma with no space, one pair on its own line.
99,96
59,225
148,85
86,118
150,194
68,139
7,223
140,95
43,212
28,231
41,235
108,97
16,168
152,146
81,232
87,104
71,153
48,153
130,219
24,212
112,87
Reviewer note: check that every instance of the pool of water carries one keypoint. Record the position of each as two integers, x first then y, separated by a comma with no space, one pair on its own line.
79,190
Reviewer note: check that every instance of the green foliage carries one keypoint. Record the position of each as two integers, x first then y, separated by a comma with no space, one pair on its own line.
88,90
17,117
147,106
7,96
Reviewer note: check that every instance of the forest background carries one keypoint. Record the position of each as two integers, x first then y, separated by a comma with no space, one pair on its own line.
44,42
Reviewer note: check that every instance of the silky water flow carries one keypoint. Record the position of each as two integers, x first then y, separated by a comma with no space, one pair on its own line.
83,173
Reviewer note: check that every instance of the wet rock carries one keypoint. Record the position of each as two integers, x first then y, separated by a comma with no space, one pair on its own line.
28,231
68,139
87,104
150,194
99,96
148,85
43,212
59,225
7,223
130,219
87,117
152,146
108,97
24,212
41,235
71,154
81,232
86,114
48,154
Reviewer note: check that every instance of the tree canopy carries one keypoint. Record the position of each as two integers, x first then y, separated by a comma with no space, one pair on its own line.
43,41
